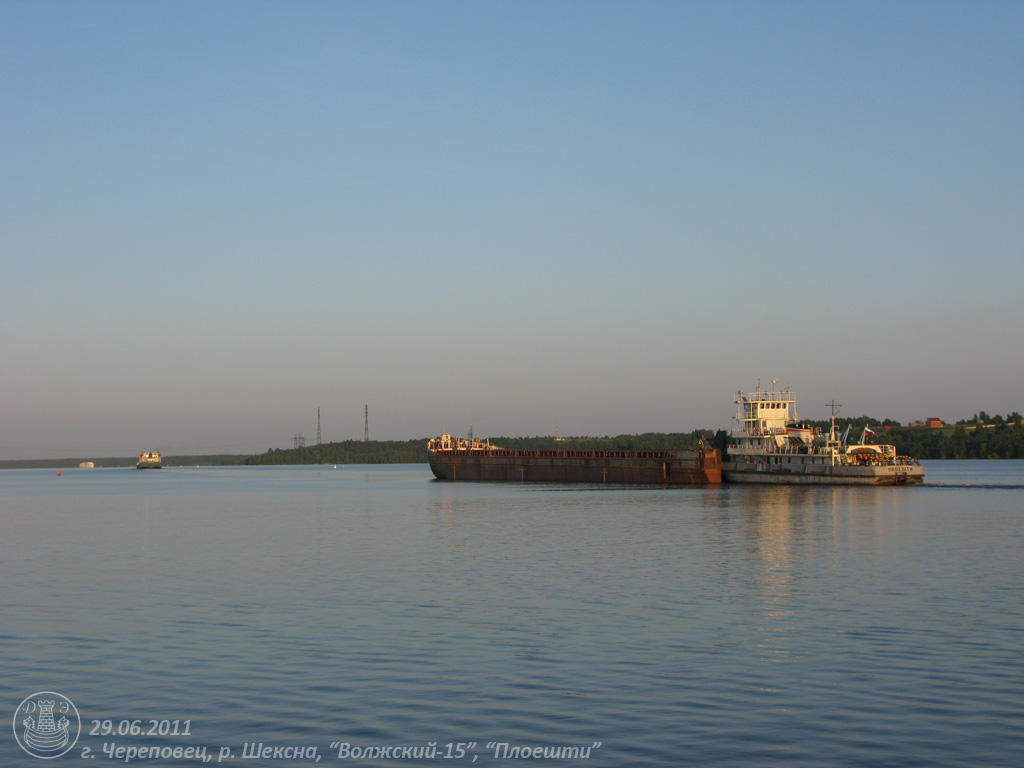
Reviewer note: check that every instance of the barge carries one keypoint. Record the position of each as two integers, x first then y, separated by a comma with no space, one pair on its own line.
459,459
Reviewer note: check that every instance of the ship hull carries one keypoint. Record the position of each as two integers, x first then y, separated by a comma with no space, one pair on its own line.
822,474
628,467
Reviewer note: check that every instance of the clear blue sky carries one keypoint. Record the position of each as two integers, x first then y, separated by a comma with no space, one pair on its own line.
217,217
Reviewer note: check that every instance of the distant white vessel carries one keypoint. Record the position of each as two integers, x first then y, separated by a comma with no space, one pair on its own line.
87,465
769,445
149,461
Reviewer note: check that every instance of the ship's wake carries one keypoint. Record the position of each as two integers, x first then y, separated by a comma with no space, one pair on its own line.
978,486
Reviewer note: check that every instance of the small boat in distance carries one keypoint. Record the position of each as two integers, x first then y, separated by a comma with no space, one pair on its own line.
769,445
455,458
149,461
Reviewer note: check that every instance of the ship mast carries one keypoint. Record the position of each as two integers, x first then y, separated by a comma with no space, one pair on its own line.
833,441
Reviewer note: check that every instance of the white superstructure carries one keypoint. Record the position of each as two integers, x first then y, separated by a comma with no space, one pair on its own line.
768,445
149,461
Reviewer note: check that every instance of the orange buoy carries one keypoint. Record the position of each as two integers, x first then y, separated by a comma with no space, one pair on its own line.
58,473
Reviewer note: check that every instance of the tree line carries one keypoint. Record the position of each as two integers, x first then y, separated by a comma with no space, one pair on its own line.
415,451
988,438
208,460
347,452
981,439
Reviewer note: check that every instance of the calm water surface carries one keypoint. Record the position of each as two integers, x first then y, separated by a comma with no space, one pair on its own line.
373,606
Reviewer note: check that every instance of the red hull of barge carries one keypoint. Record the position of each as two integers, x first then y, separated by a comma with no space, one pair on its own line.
701,467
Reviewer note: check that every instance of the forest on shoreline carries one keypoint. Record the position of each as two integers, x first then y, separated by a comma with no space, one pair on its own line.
962,441
1003,440
1000,439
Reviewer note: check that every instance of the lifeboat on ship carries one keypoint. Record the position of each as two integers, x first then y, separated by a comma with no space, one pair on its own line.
800,434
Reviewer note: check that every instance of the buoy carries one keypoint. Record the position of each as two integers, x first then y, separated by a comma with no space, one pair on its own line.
58,473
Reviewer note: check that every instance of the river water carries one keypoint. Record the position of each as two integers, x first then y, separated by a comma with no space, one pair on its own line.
372,616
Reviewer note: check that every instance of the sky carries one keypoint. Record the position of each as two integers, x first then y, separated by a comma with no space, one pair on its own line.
524,218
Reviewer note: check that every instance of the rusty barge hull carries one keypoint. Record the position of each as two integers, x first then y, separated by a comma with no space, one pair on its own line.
701,467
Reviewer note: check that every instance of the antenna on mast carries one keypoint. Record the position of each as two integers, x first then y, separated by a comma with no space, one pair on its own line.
833,435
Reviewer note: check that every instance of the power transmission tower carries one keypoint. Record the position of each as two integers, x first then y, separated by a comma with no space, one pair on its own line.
318,425
298,441
366,424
